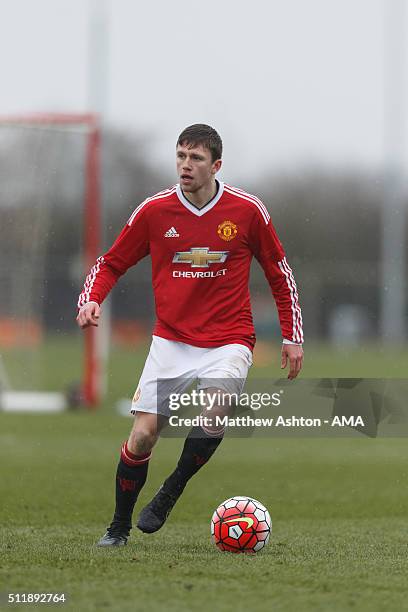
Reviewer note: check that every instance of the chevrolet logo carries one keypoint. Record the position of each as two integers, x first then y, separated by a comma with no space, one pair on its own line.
200,257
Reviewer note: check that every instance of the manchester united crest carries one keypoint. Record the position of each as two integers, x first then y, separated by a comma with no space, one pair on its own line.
227,230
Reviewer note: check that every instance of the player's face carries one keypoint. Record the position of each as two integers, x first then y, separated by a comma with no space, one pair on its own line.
195,167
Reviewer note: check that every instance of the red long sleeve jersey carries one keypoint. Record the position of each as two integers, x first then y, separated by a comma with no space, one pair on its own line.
200,266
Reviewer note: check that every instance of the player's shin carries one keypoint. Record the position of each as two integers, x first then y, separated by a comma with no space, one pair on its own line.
131,475
199,446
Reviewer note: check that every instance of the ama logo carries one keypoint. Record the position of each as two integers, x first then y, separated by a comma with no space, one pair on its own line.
347,421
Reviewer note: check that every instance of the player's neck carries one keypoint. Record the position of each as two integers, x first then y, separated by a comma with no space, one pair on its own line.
202,196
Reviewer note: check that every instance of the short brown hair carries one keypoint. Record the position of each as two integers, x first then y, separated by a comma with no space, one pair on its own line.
202,134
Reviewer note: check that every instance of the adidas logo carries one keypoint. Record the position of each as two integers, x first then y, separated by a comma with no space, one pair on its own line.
172,233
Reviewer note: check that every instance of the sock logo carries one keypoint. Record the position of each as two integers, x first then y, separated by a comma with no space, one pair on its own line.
199,460
127,485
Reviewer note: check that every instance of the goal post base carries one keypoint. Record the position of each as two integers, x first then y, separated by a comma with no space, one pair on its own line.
32,401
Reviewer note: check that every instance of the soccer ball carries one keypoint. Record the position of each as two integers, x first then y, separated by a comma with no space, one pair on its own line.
241,524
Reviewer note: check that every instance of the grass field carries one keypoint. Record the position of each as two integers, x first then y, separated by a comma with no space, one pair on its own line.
59,363
339,509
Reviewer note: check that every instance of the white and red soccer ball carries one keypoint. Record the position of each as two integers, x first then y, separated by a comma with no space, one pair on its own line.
241,525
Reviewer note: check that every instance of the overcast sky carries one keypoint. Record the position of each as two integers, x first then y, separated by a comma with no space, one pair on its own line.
287,83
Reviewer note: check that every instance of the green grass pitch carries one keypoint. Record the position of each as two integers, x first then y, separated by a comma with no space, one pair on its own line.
339,509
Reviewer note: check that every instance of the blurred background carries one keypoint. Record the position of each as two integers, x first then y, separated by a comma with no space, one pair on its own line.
310,101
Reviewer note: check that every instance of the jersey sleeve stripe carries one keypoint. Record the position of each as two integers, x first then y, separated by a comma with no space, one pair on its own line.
294,336
249,197
133,215
252,197
158,196
262,209
299,323
84,298
297,332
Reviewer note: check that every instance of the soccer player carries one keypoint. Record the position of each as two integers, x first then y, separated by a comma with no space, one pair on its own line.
201,236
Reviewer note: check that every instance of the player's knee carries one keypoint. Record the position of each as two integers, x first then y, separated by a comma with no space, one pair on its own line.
212,430
141,441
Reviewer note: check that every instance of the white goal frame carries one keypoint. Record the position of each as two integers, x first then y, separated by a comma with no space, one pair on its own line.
93,376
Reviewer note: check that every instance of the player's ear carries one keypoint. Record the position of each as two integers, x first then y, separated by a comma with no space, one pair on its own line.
216,166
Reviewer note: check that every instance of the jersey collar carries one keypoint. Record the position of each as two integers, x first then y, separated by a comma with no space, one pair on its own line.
200,211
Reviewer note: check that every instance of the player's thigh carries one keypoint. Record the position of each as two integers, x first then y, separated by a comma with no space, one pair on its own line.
169,369
225,369
223,373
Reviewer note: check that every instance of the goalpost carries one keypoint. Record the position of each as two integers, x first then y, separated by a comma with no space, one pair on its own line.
50,205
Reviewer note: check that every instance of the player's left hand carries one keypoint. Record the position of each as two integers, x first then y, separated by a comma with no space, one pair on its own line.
292,353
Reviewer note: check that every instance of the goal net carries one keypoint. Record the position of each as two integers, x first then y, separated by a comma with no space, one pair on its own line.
49,238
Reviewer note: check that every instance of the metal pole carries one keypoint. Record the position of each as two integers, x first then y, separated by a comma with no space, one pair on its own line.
393,286
97,345
93,366
98,60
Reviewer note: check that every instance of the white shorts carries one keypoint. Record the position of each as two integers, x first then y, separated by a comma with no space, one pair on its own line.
176,365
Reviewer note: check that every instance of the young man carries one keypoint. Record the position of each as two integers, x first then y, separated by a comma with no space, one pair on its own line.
201,235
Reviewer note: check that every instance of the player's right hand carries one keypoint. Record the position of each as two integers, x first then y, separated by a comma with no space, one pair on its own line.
89,315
